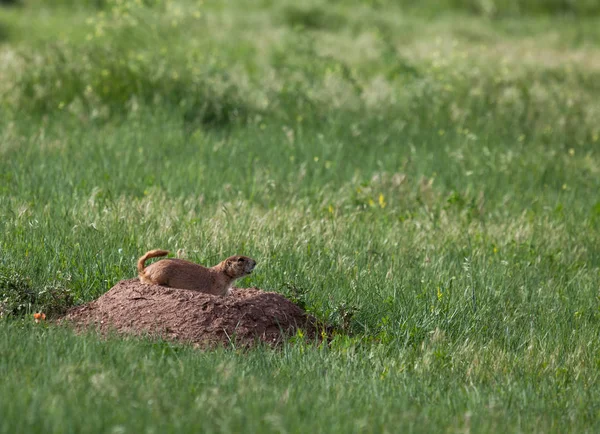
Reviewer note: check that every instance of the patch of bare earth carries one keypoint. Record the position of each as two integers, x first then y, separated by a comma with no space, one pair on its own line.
244,318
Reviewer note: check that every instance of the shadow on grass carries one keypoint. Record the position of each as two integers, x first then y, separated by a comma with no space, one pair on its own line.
4,34
312,18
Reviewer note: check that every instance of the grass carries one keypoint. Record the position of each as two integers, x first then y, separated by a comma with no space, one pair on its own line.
346,389
426,178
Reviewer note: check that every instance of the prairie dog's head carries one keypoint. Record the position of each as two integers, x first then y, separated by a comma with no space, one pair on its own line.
238,266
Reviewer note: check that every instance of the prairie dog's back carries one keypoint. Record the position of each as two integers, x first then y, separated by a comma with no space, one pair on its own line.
179,273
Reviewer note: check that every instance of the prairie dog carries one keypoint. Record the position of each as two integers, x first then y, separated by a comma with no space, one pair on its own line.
182,274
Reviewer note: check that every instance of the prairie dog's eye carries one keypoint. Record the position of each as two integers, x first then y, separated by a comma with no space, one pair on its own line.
241,259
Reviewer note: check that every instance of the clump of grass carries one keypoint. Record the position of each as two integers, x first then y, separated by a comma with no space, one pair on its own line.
18,297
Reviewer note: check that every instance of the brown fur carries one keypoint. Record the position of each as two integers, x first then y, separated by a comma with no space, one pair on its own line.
182,274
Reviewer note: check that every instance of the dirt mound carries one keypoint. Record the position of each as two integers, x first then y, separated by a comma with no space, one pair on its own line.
244,317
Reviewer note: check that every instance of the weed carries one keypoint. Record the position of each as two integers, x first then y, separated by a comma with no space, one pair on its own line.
18,297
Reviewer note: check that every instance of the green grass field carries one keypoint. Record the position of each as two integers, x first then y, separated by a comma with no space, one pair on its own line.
424,176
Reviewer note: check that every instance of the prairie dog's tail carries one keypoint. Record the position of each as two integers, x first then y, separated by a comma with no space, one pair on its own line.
150,254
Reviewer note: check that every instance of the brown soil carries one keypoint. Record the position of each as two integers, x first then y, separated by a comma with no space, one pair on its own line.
245,317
